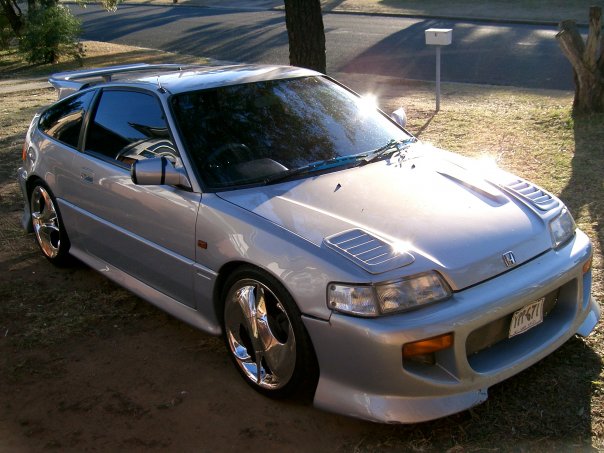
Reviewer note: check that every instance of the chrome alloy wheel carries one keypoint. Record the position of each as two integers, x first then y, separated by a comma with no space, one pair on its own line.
45,222
259,334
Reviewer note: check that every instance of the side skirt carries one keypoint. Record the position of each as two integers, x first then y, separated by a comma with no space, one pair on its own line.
160,300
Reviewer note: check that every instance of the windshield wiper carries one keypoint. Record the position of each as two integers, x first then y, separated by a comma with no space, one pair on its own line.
311,168
389,148
356,160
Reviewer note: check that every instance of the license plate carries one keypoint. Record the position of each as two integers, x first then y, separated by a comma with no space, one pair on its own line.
526,318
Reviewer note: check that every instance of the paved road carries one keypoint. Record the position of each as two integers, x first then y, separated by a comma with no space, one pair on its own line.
499,54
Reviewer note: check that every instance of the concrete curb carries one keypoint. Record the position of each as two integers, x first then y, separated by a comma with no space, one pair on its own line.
487,20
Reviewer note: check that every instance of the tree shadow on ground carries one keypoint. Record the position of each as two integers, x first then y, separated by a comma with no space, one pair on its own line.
426,124
477,54
329,5
584,193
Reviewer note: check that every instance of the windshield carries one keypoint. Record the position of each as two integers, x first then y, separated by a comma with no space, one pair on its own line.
252,133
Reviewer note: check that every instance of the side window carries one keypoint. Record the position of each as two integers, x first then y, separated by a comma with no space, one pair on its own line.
129,126
63,120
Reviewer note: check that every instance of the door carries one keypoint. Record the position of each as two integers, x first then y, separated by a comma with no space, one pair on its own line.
145,231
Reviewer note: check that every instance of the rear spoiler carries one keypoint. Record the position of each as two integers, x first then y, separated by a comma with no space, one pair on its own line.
71,81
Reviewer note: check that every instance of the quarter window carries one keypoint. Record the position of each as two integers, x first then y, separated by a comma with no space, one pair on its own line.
128,126
63,121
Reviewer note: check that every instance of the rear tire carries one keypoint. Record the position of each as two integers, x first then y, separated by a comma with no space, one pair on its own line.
48,225
265,336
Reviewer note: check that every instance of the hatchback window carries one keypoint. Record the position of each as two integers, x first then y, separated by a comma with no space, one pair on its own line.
129,126
63,121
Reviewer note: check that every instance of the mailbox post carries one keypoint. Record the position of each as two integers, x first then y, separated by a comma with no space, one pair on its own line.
438,37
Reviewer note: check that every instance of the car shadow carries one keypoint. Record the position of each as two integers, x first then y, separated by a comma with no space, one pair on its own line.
584,193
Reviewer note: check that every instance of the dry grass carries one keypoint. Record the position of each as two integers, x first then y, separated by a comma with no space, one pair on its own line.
557,405
96,54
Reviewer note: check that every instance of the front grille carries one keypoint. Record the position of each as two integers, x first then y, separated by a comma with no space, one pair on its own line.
498,330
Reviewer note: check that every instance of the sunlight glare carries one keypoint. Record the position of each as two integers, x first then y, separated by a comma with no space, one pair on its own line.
486,164
367,104
400,247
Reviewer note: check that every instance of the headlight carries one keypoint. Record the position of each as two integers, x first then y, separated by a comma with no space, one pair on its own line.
562,228
388,298
356,300
412,292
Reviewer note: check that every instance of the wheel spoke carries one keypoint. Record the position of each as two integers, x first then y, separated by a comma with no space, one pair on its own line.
44,234
50,217
247,302
48,229
280,357
259,369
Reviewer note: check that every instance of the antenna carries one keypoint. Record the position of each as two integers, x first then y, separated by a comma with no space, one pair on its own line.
159,87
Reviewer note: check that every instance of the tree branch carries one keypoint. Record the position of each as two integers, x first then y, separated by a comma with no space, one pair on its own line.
13,14
572,44
601,58
590,54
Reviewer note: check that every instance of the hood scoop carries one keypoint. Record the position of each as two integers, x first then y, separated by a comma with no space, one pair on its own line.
367,251
472,182
532,194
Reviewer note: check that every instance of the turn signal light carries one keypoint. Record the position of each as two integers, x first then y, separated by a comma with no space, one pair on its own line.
428,346
587,264
24,152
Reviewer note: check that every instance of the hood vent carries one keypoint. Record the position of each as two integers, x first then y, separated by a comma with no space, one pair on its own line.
532,194
367,251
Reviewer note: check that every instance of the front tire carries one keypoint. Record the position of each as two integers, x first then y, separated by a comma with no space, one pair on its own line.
265,337
48,225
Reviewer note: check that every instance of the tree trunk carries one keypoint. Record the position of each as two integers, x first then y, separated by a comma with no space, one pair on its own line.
13,14
306,34
587,60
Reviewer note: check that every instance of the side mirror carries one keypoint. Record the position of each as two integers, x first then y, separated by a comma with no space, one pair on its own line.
399,116
158,171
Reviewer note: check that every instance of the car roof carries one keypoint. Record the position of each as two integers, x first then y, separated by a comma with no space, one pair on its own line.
173,77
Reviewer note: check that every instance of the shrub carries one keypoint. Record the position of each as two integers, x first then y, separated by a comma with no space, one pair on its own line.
5,32
50,33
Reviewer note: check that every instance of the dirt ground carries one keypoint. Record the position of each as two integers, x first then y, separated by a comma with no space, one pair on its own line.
141,382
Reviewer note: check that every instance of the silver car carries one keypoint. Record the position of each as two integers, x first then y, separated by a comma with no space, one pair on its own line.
337,255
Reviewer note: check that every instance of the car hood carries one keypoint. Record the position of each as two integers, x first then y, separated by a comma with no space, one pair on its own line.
429,206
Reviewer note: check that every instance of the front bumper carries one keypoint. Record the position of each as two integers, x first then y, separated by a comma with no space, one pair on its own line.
364,375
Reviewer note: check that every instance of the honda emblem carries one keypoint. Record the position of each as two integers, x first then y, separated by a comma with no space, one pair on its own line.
509,259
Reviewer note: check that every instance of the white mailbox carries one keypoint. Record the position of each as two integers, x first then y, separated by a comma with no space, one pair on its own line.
439,36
